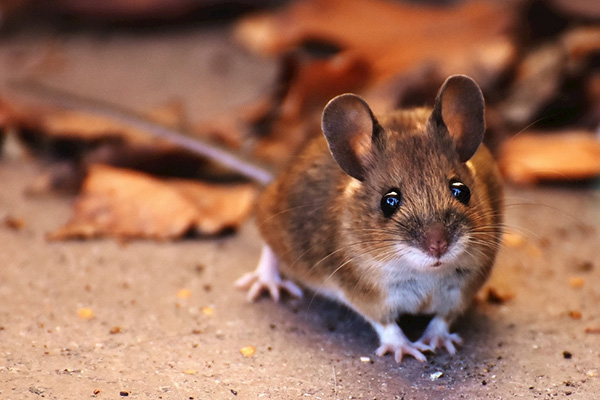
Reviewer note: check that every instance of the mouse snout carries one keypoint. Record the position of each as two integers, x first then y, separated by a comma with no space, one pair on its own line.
435,240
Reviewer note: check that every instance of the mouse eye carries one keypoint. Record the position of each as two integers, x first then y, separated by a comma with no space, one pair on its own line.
390,202
460,191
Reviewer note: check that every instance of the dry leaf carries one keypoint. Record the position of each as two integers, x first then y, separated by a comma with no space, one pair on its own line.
513,239
582,42
80,124
128,204
217,207
393,36
532,157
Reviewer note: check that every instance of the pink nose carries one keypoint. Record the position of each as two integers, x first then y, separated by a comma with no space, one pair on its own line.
435,241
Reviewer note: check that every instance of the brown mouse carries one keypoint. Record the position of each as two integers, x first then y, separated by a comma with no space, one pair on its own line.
394,214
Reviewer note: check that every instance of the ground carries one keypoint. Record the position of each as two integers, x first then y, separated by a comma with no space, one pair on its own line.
167,322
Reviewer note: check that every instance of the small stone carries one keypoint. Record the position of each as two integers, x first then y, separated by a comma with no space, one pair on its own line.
436,375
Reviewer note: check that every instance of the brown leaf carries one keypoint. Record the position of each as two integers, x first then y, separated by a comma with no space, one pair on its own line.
56,122
535,156
582,42
218,207
393,36
128,204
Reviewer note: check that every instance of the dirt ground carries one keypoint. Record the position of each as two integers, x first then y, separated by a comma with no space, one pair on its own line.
148,339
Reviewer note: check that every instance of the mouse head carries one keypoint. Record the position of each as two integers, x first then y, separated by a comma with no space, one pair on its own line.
411,181
351,129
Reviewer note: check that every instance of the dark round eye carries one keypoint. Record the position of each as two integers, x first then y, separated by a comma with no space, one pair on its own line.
390,202
460,191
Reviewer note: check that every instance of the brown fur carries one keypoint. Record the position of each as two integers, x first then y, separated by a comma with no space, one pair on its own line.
330,237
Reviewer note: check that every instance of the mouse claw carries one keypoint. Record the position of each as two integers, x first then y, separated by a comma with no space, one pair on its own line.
256,286
395,342
266,278
437,336
399,350
293,289
424,347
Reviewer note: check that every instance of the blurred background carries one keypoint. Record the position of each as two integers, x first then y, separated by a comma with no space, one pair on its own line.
127,317
274,64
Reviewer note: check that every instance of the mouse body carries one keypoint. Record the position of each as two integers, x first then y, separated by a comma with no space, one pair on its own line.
390,214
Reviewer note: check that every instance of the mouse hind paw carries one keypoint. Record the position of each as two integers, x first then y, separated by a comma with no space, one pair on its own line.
266,278
393,341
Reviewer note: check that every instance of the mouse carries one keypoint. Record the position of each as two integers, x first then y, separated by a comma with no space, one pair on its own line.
388,215
391,214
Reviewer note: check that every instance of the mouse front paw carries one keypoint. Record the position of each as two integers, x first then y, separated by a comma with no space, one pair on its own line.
266,278
399,350
437,335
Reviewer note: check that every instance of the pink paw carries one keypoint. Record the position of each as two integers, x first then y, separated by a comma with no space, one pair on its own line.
394,341
399,350
266,278
255,285
436,342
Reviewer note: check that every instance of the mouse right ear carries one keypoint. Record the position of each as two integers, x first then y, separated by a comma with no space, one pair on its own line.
348,125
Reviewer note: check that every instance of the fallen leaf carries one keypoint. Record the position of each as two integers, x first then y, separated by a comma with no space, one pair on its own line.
184,294
582,41
128,204
537,80
513,239
393,36
535,156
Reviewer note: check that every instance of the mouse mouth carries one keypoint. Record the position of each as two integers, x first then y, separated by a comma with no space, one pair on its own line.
437,263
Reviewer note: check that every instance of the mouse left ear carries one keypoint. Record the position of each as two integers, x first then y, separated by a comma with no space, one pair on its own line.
460,107
348,125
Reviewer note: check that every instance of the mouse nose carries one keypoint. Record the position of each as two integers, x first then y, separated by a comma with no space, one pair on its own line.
435,241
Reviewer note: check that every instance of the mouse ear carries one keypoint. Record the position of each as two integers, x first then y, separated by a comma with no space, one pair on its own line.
348,125
460,107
